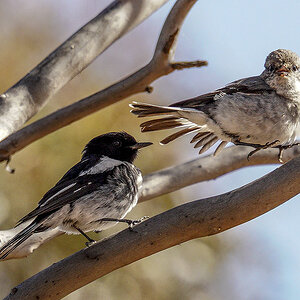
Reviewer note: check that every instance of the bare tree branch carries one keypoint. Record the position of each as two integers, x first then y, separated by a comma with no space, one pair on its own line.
160,65
169,180
29,245
189,221
25,98
207,168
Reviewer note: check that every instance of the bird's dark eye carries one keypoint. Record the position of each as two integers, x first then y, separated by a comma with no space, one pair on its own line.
117,143
271,68
295,68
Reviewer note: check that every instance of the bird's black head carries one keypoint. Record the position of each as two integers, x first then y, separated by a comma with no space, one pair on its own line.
116,145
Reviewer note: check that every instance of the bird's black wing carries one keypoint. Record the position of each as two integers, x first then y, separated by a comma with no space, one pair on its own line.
66,191
250,85
82,166
66,180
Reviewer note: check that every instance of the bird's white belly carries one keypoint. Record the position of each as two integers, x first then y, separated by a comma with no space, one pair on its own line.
255,123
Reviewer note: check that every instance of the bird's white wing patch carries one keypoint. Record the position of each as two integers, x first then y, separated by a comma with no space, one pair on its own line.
59,192
104,164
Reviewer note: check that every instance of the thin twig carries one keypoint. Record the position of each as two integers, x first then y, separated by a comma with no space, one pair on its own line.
188,64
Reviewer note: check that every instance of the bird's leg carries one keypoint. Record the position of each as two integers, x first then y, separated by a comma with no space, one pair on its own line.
283,147
257,147
261,147
90,241
130,223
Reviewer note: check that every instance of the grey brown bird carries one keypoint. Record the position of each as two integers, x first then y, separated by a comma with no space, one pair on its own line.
260,111
93,195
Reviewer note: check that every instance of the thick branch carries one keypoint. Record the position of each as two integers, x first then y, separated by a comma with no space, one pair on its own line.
169,180
26,97
161,64
189,221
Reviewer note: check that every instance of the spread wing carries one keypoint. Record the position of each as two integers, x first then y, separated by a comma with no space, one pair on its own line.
249,85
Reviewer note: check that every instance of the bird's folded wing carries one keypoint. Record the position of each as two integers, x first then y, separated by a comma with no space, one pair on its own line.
254,84
66,192
250,85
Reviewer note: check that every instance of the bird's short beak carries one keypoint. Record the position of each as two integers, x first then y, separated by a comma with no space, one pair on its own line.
282,71
140,145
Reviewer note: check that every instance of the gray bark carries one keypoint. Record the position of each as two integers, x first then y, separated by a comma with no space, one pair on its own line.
31,93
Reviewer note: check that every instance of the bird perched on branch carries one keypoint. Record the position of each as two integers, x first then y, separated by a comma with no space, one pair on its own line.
93,195
260,111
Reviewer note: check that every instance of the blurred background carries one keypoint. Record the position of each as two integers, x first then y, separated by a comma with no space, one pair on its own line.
257,260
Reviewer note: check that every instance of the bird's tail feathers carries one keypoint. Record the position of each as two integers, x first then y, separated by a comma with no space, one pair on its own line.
164,123
174,117
148,110
18,239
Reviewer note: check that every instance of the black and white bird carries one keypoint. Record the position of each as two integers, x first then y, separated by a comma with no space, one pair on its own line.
261,111
93,195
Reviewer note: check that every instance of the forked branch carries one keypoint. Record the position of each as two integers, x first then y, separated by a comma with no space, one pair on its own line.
26,97
160,65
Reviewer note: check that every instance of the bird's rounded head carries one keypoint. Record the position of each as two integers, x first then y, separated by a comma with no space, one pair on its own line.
282,72
117,145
